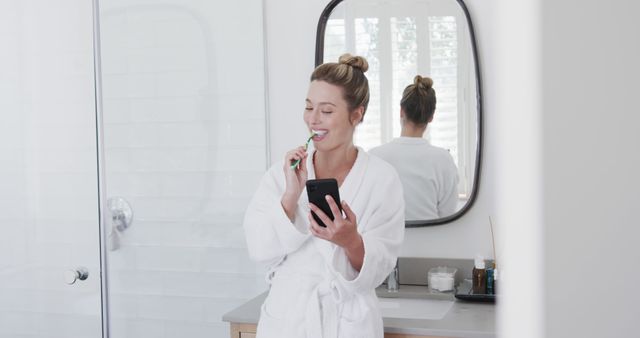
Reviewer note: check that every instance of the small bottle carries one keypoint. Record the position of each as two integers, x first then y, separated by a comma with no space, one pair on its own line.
490,280
479,284
495,280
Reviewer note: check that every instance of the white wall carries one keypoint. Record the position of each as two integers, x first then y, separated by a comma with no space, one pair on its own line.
590,143
568,165
290,37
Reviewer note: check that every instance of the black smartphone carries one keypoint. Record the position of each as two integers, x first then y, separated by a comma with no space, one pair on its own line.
316,192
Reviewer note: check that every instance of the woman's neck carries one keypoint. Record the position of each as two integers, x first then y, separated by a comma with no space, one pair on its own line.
412,130
335,163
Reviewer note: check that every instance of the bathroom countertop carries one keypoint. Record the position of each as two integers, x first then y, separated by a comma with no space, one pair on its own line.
473,320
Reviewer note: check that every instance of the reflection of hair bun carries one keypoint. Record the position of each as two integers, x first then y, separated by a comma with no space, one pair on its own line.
354,61
422,82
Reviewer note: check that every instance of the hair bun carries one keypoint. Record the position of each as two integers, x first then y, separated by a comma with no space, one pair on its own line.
354,61
423,82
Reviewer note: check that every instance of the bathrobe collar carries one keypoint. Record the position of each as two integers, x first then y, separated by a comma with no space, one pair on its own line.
353,180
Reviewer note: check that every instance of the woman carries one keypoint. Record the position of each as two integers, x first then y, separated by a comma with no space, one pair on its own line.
323,280
429,175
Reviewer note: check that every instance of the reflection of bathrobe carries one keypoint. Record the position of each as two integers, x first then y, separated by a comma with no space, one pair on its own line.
315,292
428,174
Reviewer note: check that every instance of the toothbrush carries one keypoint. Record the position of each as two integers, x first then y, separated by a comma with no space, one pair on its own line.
306,146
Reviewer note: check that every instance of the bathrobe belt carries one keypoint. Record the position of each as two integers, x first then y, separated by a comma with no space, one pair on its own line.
322,314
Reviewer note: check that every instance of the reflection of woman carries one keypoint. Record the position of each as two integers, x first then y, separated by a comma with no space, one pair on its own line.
323,279
428,174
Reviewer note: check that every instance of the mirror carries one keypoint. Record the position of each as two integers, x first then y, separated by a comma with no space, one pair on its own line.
401,39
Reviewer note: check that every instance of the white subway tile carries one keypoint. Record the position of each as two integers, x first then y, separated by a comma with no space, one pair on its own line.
122,306
234,285
141,32
169,258
14,209
118,183
236,158
113,59
76,208
50,254
146,184
167,109
116,111
64,325
59,183
114,86
172,308
122,261
228,260
165,208
16,300
180,31
239,107
188,284
16,324
136,282
141,85
117,136
61,160
113,29
137,328
167,233
172,135
116,162
186,83
184,184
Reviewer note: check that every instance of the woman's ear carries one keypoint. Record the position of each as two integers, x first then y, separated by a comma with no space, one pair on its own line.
357,115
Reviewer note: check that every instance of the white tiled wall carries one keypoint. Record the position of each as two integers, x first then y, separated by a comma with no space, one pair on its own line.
184,112
48,176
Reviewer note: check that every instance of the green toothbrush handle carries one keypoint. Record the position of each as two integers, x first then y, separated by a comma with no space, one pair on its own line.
295,164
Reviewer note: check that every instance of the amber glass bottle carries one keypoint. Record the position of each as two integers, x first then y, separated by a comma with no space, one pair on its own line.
479,283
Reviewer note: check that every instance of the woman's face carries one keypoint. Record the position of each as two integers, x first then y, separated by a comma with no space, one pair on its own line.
327,114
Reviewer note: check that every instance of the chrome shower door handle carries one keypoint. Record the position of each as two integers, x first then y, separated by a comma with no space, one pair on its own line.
71,276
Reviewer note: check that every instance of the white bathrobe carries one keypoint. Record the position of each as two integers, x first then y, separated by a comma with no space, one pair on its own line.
428,174
315,292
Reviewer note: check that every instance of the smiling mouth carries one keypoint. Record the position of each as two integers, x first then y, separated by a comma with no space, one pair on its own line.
319,132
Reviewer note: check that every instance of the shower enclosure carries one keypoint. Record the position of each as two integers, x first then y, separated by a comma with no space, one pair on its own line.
132,135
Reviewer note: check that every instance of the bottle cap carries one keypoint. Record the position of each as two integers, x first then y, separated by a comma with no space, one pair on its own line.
479,262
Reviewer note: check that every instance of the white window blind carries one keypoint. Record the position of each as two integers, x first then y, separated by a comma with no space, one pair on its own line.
397,48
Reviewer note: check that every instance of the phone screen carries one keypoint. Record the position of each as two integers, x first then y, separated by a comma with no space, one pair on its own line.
316,192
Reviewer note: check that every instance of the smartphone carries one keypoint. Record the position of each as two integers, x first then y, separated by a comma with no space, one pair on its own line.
316,192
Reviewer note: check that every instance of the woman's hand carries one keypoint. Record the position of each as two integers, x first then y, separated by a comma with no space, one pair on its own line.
342,231
295,179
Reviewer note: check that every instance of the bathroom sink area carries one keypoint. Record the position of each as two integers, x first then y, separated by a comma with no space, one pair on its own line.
411,308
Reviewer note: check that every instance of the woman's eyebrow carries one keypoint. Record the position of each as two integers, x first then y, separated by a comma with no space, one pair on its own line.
321,103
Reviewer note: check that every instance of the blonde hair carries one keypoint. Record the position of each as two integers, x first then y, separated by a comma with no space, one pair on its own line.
347,73
419,100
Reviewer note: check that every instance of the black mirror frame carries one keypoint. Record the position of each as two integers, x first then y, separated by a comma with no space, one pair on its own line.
322,24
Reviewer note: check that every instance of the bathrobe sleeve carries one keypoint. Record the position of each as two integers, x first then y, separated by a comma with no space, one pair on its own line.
269,232
448,193
382,231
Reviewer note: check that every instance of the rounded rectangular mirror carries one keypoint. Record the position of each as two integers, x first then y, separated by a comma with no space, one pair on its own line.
402,39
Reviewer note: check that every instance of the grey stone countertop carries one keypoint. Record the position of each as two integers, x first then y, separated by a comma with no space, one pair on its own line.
465,319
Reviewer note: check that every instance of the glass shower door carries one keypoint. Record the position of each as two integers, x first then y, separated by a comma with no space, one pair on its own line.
185,147
49,232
